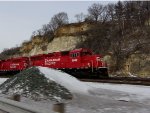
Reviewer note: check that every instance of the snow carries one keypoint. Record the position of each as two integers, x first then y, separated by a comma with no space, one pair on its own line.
131,75
3,80
101,97
96,97
131,89
105,98
66,80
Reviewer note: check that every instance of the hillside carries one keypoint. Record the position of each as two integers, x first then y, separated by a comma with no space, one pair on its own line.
65,38
137,62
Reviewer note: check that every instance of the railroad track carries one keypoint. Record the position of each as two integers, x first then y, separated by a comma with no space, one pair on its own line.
121,80
116,80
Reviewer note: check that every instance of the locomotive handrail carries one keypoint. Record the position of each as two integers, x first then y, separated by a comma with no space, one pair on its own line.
92,65
11,106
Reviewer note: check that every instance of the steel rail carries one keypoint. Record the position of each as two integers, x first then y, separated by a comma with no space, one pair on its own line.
121,80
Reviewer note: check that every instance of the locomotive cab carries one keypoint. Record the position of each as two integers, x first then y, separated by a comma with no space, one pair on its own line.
80,52
74,59
94,63
84,62
86,52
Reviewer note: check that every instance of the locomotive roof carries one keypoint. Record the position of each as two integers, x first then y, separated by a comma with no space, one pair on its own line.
54,53
17,58
81,49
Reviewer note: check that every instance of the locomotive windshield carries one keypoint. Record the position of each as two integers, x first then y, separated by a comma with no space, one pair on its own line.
73,55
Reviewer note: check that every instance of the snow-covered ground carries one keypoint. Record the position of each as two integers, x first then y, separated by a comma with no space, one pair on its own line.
104,99
3,80
66,80
97,97
122,92
131,89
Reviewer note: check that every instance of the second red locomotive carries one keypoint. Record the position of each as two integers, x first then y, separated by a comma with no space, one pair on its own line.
79,62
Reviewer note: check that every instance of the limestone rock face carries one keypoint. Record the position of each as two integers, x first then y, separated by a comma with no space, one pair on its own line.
138,64
65,38
64,43
72,29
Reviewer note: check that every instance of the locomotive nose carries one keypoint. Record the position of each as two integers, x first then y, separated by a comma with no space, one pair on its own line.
100,62
98,59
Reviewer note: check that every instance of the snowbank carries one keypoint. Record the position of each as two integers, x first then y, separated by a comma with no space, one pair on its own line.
66,80
3,80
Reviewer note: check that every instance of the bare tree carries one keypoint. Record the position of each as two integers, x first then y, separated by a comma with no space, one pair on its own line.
59,20
111,11
48,32
7,53
80,17
95,11
104,15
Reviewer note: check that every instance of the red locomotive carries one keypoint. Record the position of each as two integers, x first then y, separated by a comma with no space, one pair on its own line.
79,62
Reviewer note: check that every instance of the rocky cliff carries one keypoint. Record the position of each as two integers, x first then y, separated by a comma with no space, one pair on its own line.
65,38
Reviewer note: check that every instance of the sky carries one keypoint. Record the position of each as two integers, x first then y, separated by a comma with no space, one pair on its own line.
18,19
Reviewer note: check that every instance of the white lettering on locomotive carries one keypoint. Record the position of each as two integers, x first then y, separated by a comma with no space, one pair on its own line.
74,60
13,65
25,64
51,61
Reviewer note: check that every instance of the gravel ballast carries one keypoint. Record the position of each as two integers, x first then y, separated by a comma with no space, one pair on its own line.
31,83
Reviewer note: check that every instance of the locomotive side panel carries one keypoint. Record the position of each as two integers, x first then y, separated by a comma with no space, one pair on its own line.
18,64
0,65
37,60
14,64
75,60
52,60
64,62
5,65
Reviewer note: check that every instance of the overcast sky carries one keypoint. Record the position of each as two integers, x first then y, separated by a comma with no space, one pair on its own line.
19,19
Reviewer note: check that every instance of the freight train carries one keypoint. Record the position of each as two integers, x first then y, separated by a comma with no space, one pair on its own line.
82,63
